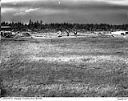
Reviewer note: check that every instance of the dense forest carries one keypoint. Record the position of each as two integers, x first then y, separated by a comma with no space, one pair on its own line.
40,26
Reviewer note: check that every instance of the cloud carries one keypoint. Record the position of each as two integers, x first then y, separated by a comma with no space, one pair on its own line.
26,11
119,2
12,1
38,11
112,11
21,11
31,10
68,4
6,10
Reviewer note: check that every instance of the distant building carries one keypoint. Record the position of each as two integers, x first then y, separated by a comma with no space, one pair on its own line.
6,32
120,33
6,28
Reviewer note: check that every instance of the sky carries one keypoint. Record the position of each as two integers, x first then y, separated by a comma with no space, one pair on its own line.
71,11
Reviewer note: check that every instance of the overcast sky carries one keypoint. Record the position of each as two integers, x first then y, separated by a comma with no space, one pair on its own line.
72,11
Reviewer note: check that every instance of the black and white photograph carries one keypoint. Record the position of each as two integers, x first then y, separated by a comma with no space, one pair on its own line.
64,48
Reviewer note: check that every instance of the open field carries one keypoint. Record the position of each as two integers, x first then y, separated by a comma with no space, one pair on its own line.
65,67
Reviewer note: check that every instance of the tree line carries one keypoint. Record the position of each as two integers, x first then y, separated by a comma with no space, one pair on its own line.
40,26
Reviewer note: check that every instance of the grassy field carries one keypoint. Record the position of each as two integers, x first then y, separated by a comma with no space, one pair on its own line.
64,67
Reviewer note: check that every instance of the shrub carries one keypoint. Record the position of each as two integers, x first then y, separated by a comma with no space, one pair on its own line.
2,90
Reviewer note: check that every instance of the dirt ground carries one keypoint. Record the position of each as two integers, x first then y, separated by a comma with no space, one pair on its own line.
64,67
